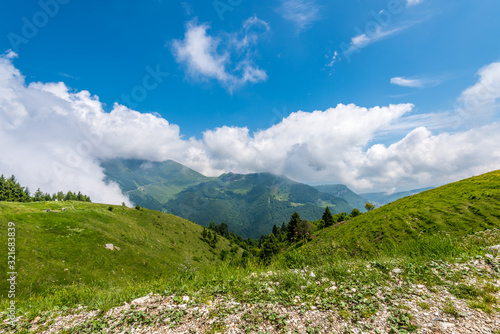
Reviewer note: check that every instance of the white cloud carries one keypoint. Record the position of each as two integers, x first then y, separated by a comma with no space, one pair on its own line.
334,59
422,158
53,138
302,13
481,100
415,82
226,58
362,41
410,3
401,81
380,28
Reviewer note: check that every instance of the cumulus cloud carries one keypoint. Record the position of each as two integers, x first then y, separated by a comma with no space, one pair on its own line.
301,12
481,100
335,145
227,58
53,138
319,134
422,158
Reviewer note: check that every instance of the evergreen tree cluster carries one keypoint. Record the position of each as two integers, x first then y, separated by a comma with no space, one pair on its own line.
210,237
250,245
12,191
269,245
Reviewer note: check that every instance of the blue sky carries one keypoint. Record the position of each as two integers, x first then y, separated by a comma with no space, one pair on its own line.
104,47
224,67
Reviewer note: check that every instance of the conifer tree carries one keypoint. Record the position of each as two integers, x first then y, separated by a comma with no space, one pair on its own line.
327,217
292,226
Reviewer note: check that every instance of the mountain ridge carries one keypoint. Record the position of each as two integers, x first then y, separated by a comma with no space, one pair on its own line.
249,203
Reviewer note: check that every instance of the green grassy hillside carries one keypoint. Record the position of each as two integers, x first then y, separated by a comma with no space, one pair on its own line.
63,248
456,209
382,198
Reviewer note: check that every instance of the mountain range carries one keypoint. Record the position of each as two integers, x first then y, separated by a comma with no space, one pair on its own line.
249,203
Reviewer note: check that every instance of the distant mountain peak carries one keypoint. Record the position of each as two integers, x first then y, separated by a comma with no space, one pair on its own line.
249,203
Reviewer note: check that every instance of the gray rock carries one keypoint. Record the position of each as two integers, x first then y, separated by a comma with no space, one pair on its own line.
446,325
109,246
494,249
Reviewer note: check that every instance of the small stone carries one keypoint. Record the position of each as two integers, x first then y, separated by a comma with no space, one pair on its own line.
489,256
446,325
141,300
494,248
185,298
397,271
109,246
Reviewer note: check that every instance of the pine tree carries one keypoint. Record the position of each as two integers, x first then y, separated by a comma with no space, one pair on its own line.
275,231
327,217
292,226
270,247
204,234
214,239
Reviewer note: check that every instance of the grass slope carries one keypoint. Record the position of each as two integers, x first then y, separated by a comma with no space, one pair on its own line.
57,249
383,198
456,209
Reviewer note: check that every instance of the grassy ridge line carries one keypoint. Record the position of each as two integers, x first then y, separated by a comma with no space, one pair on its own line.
457,209
57,249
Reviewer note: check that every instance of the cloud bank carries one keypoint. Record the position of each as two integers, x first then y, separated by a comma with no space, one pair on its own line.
53,138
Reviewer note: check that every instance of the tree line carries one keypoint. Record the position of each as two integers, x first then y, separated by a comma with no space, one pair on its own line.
12,191
281,237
